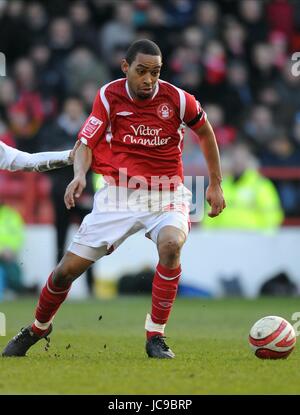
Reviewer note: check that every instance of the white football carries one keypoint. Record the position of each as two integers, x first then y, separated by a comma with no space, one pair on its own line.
272,337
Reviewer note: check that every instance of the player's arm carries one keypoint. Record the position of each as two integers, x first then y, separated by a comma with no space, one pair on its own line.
209,147
16,160
54,159
82,163
40,162
89,136
195,117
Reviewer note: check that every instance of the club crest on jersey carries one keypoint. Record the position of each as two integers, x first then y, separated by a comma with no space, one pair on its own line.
91,127
165,111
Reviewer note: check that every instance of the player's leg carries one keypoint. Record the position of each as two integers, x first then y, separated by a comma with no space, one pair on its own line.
164,289
57,288
52,296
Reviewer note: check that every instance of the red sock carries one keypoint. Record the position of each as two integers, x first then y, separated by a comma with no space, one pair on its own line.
164,290
50,299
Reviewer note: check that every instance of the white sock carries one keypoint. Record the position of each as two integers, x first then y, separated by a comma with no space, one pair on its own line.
151,326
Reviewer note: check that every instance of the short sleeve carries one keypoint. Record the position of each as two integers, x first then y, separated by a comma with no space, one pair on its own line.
194,115
96,124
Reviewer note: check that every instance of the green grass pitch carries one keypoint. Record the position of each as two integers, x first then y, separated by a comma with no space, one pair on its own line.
93,355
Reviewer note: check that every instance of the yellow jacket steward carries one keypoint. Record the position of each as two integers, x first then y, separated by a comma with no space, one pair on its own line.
252,203
11,229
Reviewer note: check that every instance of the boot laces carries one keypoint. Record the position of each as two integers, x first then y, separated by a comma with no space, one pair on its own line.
160,340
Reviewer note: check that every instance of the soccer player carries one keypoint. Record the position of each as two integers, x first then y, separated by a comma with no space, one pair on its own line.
12,159
134,137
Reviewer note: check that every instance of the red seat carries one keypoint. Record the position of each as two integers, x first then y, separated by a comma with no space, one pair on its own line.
29,193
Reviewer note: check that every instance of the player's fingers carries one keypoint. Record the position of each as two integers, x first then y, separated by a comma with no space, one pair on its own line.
68,202
78,190
69,197
212,213
215,211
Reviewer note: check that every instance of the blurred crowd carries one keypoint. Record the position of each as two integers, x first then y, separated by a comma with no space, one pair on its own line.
234,56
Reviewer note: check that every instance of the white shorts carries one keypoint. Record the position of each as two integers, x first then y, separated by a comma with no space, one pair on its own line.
119,212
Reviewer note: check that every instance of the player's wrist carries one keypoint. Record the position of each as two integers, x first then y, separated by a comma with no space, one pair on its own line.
215,180
81,175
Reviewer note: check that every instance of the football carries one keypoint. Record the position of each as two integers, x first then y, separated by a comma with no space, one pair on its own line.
272,337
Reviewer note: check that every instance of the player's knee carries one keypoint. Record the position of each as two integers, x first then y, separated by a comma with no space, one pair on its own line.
64,275
170,248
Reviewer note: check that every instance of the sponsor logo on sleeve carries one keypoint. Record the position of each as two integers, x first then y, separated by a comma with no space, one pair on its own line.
91,127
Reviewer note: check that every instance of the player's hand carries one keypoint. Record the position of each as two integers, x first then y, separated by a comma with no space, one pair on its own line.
74,190
73,151
214,196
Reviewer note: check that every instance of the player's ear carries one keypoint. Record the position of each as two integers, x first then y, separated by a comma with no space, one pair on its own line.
124,66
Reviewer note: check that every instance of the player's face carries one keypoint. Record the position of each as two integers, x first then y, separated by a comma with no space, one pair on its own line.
142,75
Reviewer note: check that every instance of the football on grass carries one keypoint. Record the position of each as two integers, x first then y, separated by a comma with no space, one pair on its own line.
272,337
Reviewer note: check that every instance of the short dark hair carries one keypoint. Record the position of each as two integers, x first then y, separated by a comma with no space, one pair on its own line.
145,46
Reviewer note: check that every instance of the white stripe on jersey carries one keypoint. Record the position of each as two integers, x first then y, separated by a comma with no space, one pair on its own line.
180,136
108,135
103,97
156,90
127,90
181,98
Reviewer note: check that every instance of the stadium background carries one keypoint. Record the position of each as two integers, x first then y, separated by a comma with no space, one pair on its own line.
234,56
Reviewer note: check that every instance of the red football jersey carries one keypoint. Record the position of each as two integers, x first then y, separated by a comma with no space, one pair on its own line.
145,137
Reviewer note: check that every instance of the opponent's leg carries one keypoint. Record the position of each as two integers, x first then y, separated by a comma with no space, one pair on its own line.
52,296
164,289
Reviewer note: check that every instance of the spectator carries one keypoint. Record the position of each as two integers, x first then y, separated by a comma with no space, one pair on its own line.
234,38
264,69
180,12
296,130
259,128
8,96
119,32
282,152
5,134
251,13
280,16
253,203
85,33
50,79
207,17
14,35
83,66
36,21
237,91
87,94
225,133
11,241
214,62
61,40
288,86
